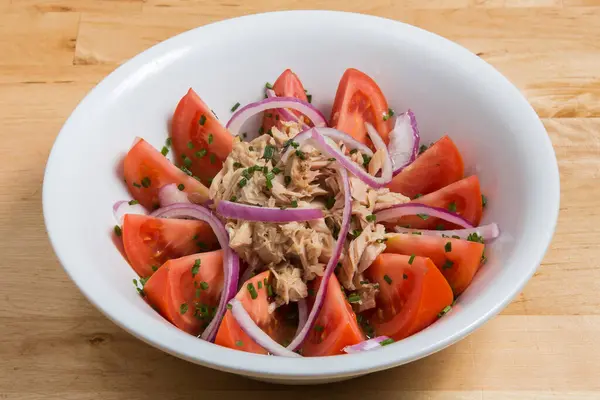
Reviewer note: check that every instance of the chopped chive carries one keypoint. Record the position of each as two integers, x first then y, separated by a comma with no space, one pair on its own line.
440,227
146,182
387,279
233,199
404,276
353,151
475,237
269,151
366,160
276,170
356,233
309,98
237,165
269,290
252,290
483,200
422,149
133,202
452,207
200,153
187,161
329,202
268,85
210,138
197,292
260,285
448,247
168,142
294,204
448,264
118,230
444,311
354,298
386,342
423,216
235,106
195,237
239,343
190,145
137,185
229,306
154,268
202,120
186,171
300,155
181,186
371,218
242,182
196,267
331,159
202,245
183,308
164,151
319,328
411,259
455,237
287,180
417,196
213,158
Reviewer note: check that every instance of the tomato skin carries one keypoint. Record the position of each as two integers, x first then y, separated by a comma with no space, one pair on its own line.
438,166
231,335
337,320
412,296
358,100
465,196
174,285
144,161
192,124
150,242
287,85
459,265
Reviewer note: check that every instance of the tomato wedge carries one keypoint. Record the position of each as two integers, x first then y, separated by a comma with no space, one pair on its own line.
149,242
358,100
458,260
462,197
186,290
412,293
287,85
336,325
231,335
200,142
146,170
438,166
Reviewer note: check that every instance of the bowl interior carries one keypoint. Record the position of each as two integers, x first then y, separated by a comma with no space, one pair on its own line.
449,89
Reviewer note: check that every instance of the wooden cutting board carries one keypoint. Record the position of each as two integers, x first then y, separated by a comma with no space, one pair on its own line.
54,344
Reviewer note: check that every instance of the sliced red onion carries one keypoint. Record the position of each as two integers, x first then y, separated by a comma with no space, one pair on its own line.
231,262
330,268
370,344
170,194
375,182
487,232
302,315
400,210
241,116
287,115
404,142
229,209
334,134
120,208
250,328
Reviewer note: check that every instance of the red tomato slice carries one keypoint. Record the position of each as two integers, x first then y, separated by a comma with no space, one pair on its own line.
410,297
186,290
458,260
358,100
438,166
150,242
146,170
287,85
231,335
462,197
200,142
336,325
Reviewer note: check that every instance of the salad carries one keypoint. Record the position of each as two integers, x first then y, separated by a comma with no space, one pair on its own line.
308,236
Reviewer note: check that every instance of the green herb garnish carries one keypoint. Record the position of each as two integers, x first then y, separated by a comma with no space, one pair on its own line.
202,120
387,279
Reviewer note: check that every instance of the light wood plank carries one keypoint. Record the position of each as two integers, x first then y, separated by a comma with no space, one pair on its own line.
105,6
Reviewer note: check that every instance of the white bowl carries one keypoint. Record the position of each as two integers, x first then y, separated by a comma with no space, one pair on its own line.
450,90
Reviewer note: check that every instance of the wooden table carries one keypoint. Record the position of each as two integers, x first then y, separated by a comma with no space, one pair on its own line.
54,344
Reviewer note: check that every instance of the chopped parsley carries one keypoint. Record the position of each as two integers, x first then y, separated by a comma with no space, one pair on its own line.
448,247
202,120
201,153
452,207
235,106
183,308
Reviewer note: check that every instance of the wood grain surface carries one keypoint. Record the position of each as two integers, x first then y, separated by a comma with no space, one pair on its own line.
54,344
